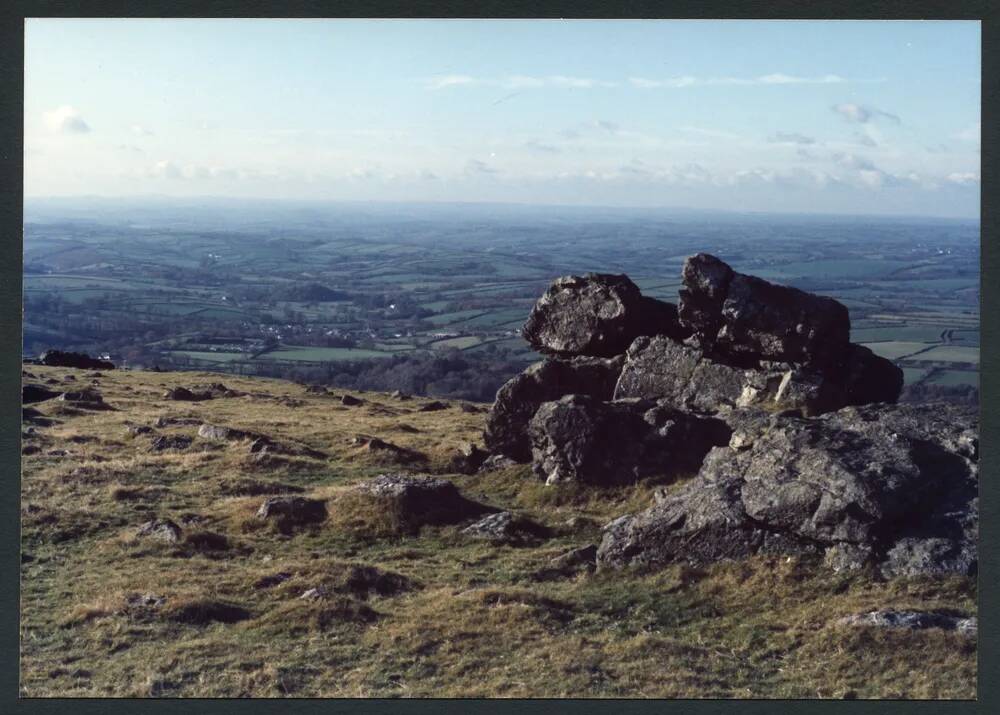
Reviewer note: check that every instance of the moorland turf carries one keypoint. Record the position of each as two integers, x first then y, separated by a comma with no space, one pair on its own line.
220,613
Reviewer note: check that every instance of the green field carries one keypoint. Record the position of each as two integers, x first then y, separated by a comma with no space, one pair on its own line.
463,342
912,375
448,318
915,333
952,353
894,350
210,356
305,353
952,378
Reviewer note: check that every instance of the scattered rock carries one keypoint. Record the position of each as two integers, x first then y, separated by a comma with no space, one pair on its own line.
291,511
30,449
350,400
597,315
271,580
912,620
316,390
583,558
31,394
205,611
165,421
496,462
185,395
400,395
87,398
136,430
471,409
410,502
518,399
387,451
226,434
161,530
467,459
506,528
164,442
433,406
58,358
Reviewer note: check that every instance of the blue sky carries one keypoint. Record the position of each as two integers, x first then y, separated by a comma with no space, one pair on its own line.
842,117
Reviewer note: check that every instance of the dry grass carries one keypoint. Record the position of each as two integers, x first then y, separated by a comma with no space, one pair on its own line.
220,613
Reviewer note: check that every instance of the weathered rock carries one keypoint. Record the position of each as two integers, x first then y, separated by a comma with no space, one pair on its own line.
292,511
185,395
898,480
518,399
316,390
226,434
582,558
58,358
597,315
661,368
136,430
31,394
399,395
505,527
165,442
350,400
387,451
160,529
468,459
87,398
912,620
413,501
580,439
433,406
745,316
496,462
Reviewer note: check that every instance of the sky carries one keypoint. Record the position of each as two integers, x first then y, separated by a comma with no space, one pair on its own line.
849,117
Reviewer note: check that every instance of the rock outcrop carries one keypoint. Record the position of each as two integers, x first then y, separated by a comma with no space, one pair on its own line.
581,439
891,484
598,315
756,389
517,401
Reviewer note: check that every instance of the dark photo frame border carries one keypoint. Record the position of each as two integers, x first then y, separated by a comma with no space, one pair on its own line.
11,197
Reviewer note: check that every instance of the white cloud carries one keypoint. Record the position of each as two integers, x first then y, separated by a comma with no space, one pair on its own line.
767,79
166,169
141,131
790,138
713,133
66,120
971,134
517,82
963,179
476,167
861,114
450,80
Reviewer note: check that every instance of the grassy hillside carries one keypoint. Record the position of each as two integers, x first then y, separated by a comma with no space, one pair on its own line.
468,618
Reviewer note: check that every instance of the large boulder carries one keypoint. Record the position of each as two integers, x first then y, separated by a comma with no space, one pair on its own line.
518,399
580,439
58,358
661,368
746,317
598,314
896,481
